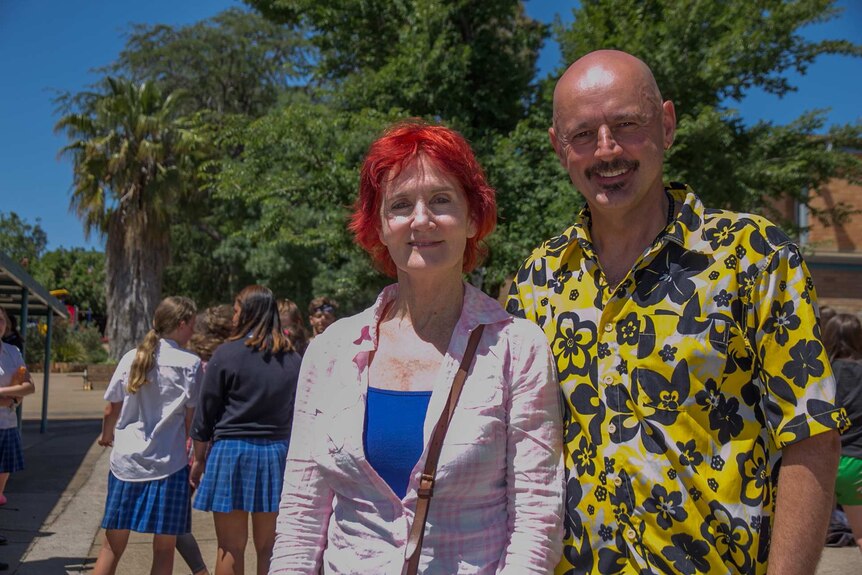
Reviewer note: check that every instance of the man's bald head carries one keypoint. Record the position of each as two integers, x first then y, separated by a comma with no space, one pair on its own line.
607,69
611,130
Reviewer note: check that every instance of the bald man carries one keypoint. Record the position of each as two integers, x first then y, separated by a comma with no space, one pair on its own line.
688,351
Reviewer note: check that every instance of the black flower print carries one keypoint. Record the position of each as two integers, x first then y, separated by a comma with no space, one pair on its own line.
606,533
627,330
722,298
708,397
560,277
572,344
687,554
729,535
664,396
781,321
669,275
668,353
754,471
584,457
689,456
723,233
667,506
726,419
804,363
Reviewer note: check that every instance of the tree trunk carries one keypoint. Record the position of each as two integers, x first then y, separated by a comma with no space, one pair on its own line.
135,259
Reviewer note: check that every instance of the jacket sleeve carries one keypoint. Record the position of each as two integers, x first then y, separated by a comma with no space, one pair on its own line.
534,475
306,499
210,399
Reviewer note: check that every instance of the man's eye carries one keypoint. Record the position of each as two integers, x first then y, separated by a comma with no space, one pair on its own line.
582,137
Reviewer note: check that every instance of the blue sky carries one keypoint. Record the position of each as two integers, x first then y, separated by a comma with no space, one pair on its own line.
49,45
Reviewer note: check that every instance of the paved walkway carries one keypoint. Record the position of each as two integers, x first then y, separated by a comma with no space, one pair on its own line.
56,504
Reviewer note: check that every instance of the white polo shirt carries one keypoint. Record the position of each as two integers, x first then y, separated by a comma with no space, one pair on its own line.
10,361
150,438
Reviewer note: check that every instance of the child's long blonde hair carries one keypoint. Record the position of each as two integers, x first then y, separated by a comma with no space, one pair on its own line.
172,311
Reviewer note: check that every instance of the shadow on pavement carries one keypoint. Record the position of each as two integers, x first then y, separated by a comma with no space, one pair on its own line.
39,493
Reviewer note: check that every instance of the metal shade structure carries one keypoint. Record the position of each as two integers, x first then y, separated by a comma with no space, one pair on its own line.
20,292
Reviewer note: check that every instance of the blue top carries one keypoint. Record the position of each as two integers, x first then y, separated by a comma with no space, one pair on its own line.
393,434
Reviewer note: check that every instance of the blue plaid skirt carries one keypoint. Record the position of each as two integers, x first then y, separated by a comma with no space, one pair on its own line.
11,455
243,474
160,506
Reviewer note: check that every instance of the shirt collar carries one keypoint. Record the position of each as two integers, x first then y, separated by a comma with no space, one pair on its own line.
685,229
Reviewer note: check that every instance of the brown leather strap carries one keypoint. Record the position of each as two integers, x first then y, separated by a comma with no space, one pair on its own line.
426,482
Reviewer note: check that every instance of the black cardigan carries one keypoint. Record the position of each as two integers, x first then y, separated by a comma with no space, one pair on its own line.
246,393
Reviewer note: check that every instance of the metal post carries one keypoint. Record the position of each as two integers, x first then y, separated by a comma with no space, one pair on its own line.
43,426
25,312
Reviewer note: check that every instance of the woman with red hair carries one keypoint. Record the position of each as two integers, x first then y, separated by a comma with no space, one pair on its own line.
373,387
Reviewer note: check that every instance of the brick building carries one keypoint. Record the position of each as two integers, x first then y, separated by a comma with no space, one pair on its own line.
833,251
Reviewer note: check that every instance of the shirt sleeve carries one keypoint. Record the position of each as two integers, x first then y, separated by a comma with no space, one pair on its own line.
799,388
210,399
534,473
196,377
306,499
116,391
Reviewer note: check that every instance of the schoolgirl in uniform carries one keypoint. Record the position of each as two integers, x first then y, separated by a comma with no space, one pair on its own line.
246,410
151,400
14,384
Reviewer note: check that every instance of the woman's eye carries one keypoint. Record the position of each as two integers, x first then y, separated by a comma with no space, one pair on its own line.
399,206
441,200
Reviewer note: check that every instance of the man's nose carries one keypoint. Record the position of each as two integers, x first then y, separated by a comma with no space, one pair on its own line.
606,145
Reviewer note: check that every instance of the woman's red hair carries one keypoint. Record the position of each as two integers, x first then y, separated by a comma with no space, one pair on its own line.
397,148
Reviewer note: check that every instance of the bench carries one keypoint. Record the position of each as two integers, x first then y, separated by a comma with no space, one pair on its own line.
98,375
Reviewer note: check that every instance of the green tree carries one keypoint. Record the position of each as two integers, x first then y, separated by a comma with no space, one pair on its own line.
133,158
20,240
236,62
233,68
469,63
294,184
81,272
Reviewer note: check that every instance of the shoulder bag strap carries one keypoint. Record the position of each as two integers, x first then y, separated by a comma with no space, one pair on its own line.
426,481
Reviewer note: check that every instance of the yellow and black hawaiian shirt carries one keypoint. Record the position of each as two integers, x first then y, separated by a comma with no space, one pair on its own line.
682,386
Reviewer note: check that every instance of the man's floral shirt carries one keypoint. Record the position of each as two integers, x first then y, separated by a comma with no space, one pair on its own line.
682,385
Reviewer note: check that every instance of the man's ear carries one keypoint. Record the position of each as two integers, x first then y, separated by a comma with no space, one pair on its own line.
668,122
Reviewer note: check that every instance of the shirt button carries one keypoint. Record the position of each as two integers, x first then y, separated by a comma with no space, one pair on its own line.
608,379
631,534
612,428
609,327
618,481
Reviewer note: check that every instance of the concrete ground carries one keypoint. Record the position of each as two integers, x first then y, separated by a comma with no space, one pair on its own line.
56,504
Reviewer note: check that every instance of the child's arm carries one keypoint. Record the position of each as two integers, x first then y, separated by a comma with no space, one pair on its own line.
109,421
21,385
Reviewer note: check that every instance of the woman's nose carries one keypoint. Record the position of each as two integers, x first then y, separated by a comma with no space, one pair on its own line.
422,216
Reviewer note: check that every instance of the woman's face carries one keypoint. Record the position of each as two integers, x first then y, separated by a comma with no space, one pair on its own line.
425,220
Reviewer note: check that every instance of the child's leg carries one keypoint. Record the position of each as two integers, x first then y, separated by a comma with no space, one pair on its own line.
163,554
189,550
4,477
263,528
112,550
232,535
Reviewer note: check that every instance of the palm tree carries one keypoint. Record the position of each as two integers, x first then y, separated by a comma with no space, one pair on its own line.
134,160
